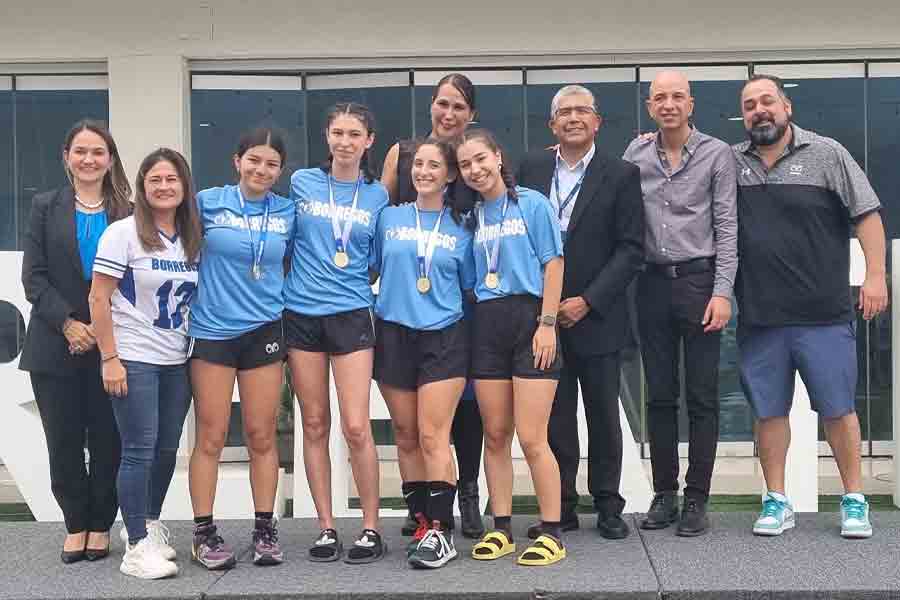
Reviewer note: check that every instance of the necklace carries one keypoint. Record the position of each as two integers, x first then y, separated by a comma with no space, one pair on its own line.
89,206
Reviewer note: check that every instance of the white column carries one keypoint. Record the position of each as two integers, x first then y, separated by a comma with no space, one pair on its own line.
149,106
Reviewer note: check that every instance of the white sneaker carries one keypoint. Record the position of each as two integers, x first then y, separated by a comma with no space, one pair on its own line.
144,562
158,534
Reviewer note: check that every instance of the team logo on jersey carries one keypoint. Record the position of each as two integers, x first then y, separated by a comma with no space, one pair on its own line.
323,210
406,234
745,172
510,227
226,218
796,169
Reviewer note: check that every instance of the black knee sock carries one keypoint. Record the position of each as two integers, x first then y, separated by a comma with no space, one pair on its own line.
468,435
202,521
440,503
416,495
264,515
551,528
504,524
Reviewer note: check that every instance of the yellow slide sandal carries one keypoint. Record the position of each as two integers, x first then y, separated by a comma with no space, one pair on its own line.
545,550
494,545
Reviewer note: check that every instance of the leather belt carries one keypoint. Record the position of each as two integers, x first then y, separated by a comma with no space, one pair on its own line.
688,267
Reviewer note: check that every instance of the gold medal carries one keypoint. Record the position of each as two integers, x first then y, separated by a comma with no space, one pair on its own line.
341,260
492,281
423,284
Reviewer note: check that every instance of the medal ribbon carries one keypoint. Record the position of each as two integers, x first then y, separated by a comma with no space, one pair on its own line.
263,231
425,250
341,237
492,256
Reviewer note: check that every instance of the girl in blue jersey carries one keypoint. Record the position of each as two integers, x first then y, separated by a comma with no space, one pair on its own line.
237,333
515,364
328,319
423,254
145,274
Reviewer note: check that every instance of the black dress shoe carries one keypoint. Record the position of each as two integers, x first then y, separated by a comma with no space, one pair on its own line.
471,524
663,511
612,527
568,523
694,520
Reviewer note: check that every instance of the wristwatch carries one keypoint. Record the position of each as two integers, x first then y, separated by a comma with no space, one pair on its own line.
548,320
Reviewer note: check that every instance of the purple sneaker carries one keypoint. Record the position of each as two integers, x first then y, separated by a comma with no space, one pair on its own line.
209,549
265,543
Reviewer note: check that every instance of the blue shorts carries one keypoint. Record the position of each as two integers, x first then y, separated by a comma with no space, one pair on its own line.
824,355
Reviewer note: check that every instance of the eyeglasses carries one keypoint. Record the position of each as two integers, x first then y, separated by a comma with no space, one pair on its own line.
581,111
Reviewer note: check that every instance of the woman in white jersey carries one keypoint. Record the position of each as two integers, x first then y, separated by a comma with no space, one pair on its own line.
328,319
515,363
145,274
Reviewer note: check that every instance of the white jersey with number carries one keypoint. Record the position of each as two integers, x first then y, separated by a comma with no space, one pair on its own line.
150,306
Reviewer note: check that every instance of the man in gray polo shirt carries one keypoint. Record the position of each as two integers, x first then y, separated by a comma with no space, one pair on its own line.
800,195
690,242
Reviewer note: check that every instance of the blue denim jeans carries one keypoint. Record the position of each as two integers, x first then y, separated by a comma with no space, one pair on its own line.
150,419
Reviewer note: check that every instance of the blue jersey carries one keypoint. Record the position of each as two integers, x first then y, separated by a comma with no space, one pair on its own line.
230,302
529,239
452,268
316,286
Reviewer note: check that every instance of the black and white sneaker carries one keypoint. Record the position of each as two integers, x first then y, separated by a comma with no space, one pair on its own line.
435,550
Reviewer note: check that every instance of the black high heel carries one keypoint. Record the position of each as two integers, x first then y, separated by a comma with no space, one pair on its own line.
73,556
93,554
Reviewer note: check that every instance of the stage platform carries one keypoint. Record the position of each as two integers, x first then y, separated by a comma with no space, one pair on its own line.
811,561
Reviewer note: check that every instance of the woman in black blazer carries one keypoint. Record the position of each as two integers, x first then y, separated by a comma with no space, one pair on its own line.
60,350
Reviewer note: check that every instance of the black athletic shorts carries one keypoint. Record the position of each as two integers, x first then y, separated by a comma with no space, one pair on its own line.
258,348
408,358
501,341
340,333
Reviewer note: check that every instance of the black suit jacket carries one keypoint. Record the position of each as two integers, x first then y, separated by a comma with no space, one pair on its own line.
54,285
604,247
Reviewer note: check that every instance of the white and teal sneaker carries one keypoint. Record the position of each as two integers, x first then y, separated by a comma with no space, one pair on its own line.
776,515
855,517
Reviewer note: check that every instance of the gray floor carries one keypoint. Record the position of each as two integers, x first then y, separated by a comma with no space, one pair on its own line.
811,561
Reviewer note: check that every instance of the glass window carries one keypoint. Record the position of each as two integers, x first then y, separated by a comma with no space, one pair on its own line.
46,108
224,107
828,99
386,94
501,108
884,140
7,204
614,93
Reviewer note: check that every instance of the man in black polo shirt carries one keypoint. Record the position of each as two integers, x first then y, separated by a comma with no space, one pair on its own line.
799,197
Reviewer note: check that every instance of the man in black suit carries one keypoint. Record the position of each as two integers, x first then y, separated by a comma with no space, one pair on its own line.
600,207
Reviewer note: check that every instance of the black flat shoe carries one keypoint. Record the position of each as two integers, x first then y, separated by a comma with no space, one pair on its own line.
471,525
694,520
663,511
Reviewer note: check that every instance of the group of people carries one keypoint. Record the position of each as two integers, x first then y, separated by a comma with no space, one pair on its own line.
142,303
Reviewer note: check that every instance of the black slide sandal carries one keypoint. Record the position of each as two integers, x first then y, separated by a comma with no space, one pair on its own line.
327,547
368,548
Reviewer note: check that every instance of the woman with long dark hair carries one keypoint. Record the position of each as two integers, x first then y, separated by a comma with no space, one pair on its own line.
328,319
60,349
452,109
236,334
515,362
145,275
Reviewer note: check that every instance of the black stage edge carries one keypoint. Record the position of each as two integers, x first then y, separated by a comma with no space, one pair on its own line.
809,562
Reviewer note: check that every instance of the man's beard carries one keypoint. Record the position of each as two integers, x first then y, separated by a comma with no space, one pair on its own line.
768,133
